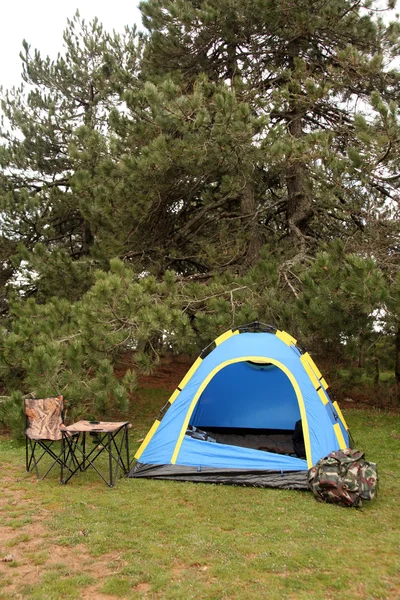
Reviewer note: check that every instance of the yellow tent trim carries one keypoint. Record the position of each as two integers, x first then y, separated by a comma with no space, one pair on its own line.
225,336
324,384
313,371
339,412
180,387
323,396
313,366
174,396
339,436
285,337
222,338
257,359
190,373
147,439
309,370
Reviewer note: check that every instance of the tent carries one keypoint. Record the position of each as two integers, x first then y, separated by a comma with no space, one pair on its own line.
233,417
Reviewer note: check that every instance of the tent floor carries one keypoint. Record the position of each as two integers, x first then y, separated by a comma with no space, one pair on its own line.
277,443
270,441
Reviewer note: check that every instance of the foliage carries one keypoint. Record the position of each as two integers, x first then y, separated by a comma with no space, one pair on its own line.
341,292
41,211
69,348
308,67
237,161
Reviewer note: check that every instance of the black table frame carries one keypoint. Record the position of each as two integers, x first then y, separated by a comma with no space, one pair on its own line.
106,441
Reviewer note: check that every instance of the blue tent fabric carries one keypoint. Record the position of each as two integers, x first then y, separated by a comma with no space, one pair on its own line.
251,380
236,397
209,454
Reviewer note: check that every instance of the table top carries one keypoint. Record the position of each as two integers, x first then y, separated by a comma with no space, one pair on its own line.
88,426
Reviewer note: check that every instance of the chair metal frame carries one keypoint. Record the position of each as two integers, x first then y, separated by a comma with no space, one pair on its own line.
33,447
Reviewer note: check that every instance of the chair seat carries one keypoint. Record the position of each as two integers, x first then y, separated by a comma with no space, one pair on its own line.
44,417
53,438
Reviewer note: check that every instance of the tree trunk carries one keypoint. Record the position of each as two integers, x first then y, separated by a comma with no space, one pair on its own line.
361,354
397,363
299,210
376,373
248,208
299,207
87,238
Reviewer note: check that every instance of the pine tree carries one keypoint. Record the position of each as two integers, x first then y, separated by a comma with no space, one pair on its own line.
341,297
240,165
390,320
72,348
179,173
60,101
314,68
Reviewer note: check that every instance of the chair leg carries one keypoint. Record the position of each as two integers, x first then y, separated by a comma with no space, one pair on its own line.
26,454
56,459
32,459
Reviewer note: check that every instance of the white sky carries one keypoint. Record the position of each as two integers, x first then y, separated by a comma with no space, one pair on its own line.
42,22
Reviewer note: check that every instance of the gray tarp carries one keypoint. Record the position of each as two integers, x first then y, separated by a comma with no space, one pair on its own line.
290,480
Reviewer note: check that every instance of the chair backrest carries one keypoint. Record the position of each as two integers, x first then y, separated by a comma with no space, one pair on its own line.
44,417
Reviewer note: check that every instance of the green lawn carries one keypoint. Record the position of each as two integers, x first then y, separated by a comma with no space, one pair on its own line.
154,539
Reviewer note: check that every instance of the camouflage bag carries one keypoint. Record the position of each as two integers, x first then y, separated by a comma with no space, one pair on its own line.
344,477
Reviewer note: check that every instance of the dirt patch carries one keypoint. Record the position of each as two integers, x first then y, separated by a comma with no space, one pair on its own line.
27,572
91,592
142,587
178,569
13,498
166,375
35,543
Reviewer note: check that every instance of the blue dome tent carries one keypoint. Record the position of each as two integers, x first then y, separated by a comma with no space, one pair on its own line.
234,416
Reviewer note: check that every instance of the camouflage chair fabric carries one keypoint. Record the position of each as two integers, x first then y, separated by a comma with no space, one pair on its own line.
44,418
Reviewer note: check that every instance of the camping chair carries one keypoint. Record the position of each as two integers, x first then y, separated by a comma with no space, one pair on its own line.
44,416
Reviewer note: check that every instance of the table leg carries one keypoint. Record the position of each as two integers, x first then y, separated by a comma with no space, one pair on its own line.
127,449
84,451
110,458
63,457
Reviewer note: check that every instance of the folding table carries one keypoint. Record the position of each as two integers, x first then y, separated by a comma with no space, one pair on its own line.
111,437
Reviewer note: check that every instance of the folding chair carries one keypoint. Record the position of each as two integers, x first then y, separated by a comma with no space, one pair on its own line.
44,416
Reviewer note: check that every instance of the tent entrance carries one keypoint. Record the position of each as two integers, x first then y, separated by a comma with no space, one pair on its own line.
249,404
276,441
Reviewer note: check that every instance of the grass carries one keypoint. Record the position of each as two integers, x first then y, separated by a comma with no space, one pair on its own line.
170,540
